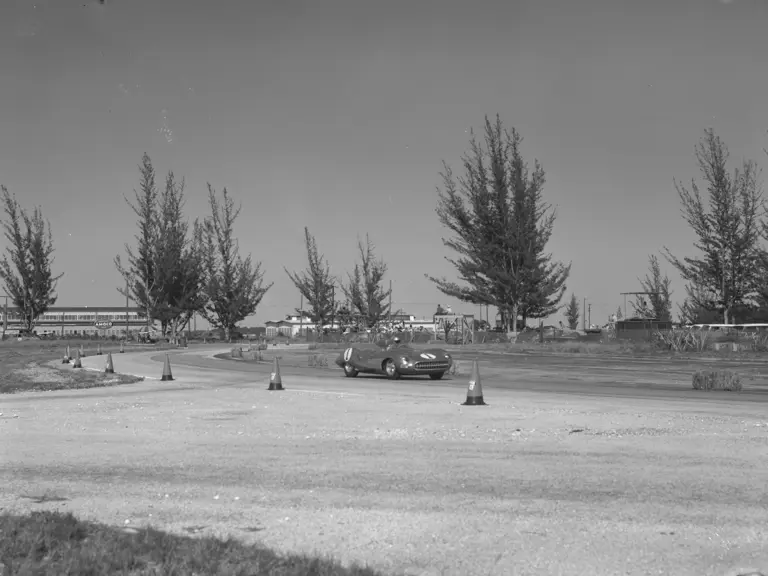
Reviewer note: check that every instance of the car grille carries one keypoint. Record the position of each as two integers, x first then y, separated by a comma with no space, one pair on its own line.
442,365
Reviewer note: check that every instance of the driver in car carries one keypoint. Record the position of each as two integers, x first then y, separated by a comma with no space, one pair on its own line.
394,344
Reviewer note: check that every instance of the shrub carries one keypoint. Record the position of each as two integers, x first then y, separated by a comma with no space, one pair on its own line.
682,340
237,352
717,380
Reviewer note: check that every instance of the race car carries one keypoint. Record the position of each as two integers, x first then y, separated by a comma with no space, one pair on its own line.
394,361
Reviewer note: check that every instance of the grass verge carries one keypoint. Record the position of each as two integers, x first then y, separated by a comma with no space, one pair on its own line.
32,367
53,543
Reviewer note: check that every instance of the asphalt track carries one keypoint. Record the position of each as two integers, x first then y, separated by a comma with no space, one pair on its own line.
635,378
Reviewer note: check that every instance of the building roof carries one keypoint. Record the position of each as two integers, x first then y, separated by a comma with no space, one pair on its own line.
65,309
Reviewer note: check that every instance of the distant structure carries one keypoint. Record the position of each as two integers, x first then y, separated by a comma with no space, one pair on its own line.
63,320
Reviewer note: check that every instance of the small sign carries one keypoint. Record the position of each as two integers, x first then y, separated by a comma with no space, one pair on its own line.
103,324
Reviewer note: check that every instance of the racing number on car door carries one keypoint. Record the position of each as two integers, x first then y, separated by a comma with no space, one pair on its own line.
347,354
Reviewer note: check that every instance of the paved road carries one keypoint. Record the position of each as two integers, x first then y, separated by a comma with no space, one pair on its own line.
567,375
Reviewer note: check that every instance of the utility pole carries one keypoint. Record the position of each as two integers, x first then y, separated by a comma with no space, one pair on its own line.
127,311
390,305
584,315
301,315
333,307
5,317
589,312
725,306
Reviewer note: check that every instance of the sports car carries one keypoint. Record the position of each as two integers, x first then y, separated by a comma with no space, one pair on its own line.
394,361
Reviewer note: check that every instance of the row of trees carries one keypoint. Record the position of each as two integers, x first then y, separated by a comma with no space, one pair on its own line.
499,226
365,300
729,276
496,212
175,270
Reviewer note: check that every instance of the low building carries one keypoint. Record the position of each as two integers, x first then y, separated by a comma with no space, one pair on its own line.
639,328
275,327
81,320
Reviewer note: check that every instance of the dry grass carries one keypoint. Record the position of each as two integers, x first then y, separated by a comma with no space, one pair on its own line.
55,544
717,380
34,365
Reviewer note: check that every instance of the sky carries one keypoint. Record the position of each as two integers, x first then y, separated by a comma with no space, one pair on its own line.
338,115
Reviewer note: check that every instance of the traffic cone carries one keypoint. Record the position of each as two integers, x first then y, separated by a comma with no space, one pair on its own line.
77,363
475,388
98,350
110,369
67,356
275,382
122,346
82,351
167,370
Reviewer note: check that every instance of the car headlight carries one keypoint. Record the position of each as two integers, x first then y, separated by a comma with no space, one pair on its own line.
404,360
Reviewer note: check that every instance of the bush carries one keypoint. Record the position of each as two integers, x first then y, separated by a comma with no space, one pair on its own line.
683,340
717,380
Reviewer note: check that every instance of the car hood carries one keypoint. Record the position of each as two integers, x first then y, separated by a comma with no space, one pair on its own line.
428,354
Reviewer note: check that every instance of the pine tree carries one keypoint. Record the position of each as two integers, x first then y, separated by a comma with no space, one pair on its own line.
140,270
234,285
180,272
572,313
164,273
728,272
500,228
315,284
365,290
28,276
659,294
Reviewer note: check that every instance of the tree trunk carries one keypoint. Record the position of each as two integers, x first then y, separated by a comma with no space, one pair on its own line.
226,333
514,318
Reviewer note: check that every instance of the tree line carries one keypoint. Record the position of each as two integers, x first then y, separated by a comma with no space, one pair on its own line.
498,225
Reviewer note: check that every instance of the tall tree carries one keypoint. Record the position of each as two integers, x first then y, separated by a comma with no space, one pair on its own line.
659,305
364,289
28,277
572,313
179,267
139,271
727,274
500,228
234,285
315,284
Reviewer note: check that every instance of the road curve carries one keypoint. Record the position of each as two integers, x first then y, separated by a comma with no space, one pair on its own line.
579,375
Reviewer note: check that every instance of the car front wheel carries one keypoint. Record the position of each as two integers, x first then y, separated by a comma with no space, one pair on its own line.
350,371
437,375
391,370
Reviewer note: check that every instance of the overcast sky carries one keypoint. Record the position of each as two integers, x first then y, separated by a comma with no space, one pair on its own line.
337,114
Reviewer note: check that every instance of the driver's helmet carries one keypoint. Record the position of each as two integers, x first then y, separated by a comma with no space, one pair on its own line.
396,340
